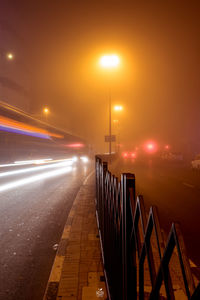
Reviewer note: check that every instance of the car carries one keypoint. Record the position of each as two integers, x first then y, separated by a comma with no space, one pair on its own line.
129,155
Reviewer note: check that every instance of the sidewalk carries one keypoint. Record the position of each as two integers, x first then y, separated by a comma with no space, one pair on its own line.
77,272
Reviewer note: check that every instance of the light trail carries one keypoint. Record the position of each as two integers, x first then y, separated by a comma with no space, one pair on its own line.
27,162
35,178
63,166
67,162
7,165
35,161
10,125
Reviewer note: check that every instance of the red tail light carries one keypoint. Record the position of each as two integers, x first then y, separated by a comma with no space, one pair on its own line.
125,154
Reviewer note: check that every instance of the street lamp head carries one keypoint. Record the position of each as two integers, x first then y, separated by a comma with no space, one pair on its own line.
109,61
46,110
118,107
9,56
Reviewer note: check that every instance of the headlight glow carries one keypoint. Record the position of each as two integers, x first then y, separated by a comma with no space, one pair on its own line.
84,159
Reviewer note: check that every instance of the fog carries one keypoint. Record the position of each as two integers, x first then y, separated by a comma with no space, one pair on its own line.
157,81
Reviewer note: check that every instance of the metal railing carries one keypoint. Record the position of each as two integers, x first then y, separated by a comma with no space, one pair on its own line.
130,239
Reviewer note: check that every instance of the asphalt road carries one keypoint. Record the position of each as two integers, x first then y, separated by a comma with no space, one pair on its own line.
175,189
32,216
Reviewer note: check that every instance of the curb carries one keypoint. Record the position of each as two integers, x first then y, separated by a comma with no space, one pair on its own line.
56,271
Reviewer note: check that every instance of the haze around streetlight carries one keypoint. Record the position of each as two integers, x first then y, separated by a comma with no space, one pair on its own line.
158,76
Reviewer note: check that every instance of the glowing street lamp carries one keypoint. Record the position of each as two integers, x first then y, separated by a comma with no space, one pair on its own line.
45,112
109,62
10,56
118,108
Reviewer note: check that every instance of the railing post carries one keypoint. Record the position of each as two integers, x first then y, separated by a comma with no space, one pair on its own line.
127,185
104,167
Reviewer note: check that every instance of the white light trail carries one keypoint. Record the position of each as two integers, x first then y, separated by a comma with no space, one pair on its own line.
30,162
7,165
64,163
27,162
32,179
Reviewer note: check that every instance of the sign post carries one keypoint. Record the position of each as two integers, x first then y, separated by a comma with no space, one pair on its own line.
110,138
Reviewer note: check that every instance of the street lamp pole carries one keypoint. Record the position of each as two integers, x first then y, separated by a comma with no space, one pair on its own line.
110,125
118,108
109,61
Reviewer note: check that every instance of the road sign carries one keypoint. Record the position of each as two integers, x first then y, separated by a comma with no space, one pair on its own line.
109,138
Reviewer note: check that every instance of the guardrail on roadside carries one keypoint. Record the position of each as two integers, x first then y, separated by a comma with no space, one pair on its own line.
138,263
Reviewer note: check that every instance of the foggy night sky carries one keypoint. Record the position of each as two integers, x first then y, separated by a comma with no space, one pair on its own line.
157,81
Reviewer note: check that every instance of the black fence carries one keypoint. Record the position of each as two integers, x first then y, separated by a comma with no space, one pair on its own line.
138,263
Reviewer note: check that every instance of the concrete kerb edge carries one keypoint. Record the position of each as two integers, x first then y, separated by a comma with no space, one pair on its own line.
56,271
